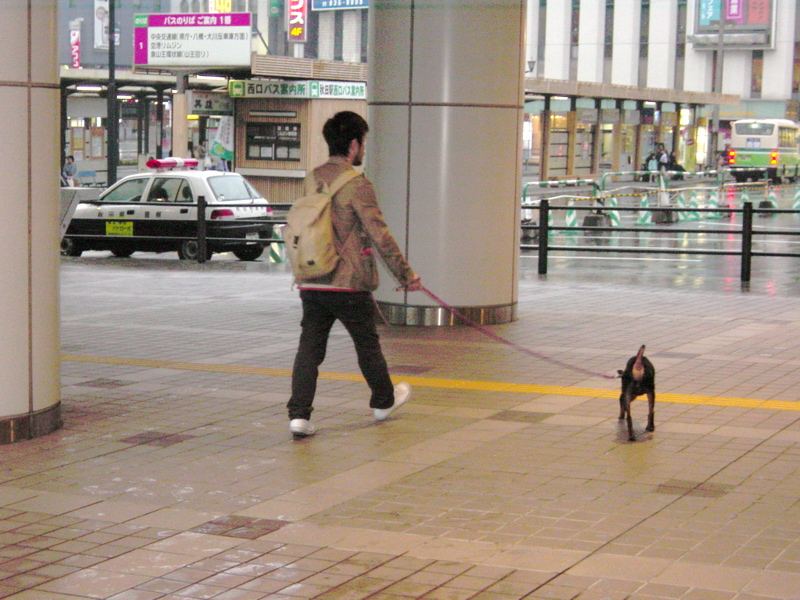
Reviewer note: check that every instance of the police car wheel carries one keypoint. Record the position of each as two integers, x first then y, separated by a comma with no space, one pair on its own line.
248,252
70,248
122,252
188,250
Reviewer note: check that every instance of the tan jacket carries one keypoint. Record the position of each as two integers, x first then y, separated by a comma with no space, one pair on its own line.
360,230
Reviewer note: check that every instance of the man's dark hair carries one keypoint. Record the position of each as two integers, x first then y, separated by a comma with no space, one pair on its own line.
341,129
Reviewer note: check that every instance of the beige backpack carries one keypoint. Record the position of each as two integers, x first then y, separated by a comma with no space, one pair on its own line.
308,234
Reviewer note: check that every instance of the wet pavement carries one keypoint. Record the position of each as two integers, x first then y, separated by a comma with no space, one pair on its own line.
508,476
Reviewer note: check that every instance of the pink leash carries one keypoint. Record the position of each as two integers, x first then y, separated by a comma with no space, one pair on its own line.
494,336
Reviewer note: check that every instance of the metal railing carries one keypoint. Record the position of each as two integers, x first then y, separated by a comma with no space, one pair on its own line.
661,178
745,231
202,225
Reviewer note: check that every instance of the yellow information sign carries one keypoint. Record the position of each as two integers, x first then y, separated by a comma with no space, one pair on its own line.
124,228
223,6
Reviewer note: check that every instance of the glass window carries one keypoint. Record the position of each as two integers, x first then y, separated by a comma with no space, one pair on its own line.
757,73
232,188
274,141
185,193
127,191
754,128
787,137
796,71
167,189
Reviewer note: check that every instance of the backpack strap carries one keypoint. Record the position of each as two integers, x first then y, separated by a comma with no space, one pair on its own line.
341,181
336,185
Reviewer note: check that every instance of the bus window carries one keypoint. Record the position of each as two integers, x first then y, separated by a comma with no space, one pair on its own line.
787,138
754,128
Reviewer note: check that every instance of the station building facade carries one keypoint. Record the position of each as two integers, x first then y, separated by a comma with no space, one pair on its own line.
336,30
659,45
650,68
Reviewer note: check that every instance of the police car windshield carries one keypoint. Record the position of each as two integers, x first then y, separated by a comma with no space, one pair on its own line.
232,189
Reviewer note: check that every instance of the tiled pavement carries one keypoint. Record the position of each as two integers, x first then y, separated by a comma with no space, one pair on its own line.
506,477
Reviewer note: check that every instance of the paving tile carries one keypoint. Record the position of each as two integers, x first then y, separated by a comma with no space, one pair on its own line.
175,483
93,583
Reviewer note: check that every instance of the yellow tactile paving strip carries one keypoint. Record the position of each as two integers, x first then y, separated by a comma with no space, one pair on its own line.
432,382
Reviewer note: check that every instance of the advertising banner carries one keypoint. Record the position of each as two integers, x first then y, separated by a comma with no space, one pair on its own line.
101,26
192,40
740,15
75,44
734,11
747,23
297,15
222,144
707,12
759,12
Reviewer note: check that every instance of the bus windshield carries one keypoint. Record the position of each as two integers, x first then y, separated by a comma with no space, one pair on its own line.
754,128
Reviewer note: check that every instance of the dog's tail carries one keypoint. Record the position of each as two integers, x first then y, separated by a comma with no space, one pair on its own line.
638,367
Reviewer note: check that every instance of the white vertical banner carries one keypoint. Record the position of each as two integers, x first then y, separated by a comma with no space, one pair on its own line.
222,144
100,24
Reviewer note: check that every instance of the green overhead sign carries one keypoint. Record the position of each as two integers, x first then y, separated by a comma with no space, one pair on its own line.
336,90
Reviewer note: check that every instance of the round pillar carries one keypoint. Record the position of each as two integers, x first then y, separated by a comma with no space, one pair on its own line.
446,91
29,230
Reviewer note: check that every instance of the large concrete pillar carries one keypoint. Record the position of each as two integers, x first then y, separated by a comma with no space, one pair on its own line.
445,107
29,229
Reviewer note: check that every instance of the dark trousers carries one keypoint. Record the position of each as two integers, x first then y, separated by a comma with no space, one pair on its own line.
356,311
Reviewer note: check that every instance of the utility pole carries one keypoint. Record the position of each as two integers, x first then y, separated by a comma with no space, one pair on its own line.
112,119
713,142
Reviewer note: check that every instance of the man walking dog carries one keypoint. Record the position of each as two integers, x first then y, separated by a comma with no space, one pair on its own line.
345,293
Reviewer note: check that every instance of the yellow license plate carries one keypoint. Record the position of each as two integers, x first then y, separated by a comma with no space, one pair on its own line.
119,228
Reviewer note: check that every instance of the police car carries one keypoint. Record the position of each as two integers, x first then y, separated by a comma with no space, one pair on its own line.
157,212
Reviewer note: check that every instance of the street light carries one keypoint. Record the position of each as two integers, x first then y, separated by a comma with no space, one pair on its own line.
714,137
112,121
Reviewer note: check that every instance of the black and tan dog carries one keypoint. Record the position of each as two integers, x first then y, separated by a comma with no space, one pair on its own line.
638,378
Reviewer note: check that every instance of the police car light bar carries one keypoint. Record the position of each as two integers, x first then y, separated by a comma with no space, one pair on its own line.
171,162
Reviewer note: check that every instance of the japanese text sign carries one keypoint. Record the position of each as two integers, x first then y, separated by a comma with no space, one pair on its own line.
181,40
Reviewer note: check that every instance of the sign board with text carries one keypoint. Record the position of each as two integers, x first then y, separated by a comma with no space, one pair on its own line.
746,24
332,90
338,4
208,103
297,21
192,40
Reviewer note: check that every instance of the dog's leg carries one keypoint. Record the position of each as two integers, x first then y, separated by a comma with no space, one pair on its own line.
651,415
628,401
622,406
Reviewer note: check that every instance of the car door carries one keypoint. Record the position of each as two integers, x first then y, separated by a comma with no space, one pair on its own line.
113,215
170,209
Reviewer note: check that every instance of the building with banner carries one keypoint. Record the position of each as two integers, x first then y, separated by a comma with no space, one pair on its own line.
331,30
747,49
605,81
277,139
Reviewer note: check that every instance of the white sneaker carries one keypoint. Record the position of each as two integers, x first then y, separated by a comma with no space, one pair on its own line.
402,392
301,428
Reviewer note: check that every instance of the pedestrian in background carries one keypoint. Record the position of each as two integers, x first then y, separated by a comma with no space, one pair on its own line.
345,294
69,171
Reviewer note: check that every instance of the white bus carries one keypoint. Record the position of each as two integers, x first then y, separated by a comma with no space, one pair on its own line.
773,144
